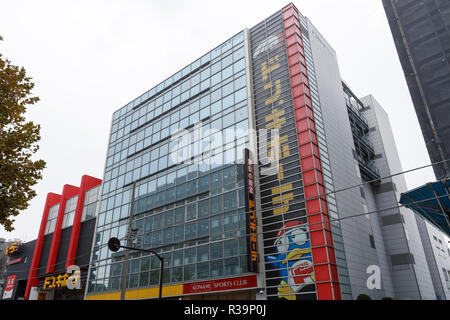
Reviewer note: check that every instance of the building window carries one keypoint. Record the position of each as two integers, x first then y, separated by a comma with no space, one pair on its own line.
51,220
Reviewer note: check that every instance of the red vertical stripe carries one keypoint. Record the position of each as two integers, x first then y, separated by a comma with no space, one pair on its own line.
52,199
316,204
87,182
68,192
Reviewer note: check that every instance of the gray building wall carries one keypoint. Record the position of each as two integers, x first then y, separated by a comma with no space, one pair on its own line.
409,270
380,248
437,252
389,239
344,166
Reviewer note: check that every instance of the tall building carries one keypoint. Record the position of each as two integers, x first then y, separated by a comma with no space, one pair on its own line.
421,32
257,174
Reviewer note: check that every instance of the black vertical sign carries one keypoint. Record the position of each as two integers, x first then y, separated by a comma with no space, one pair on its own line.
250,207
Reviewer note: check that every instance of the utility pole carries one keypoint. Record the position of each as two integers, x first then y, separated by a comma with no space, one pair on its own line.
128,244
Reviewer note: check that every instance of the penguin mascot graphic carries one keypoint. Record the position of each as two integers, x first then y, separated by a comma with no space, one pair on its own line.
293,259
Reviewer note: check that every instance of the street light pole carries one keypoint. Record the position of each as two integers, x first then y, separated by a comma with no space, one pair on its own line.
114,245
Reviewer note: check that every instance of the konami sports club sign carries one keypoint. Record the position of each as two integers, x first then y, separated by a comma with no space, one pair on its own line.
220,285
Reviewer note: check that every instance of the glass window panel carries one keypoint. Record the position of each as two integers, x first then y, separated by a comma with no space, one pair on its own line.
216,268
179,215
203,184
231,221
168,218
143,279
229,175
215,79
189,272
151,202
189,256
227,72
171,178
229,201
203,253
154,277
157,221
227,89
194,118
192,171
191,187
216,205
134,281
159,200
191,212
216,250
168,236
227,102
181,175
238,54
205,112
191,230
228,120
216,107
203,228
216,95
135,264
179,233
181,191
170,195
231,248
239,65
178,258
216,67
145,264
242,245
216,179
240,95
177,274
203,208
205,73
203,270
157,238
231,266
216,224
241,114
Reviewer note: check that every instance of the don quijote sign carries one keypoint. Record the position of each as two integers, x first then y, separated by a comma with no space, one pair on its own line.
70,279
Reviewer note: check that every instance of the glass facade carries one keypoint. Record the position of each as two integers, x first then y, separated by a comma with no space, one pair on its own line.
186,201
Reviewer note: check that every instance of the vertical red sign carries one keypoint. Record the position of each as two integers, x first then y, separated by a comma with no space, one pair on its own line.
9,288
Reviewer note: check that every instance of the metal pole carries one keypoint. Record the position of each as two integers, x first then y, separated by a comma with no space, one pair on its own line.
161,261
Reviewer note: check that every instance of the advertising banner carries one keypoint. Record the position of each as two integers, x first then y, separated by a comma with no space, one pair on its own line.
286,237
250,206
9,287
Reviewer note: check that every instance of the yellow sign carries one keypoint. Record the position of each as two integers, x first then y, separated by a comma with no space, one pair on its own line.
11,249
60,280
278,146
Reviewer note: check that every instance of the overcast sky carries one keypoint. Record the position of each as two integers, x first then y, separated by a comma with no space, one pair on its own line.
89,58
